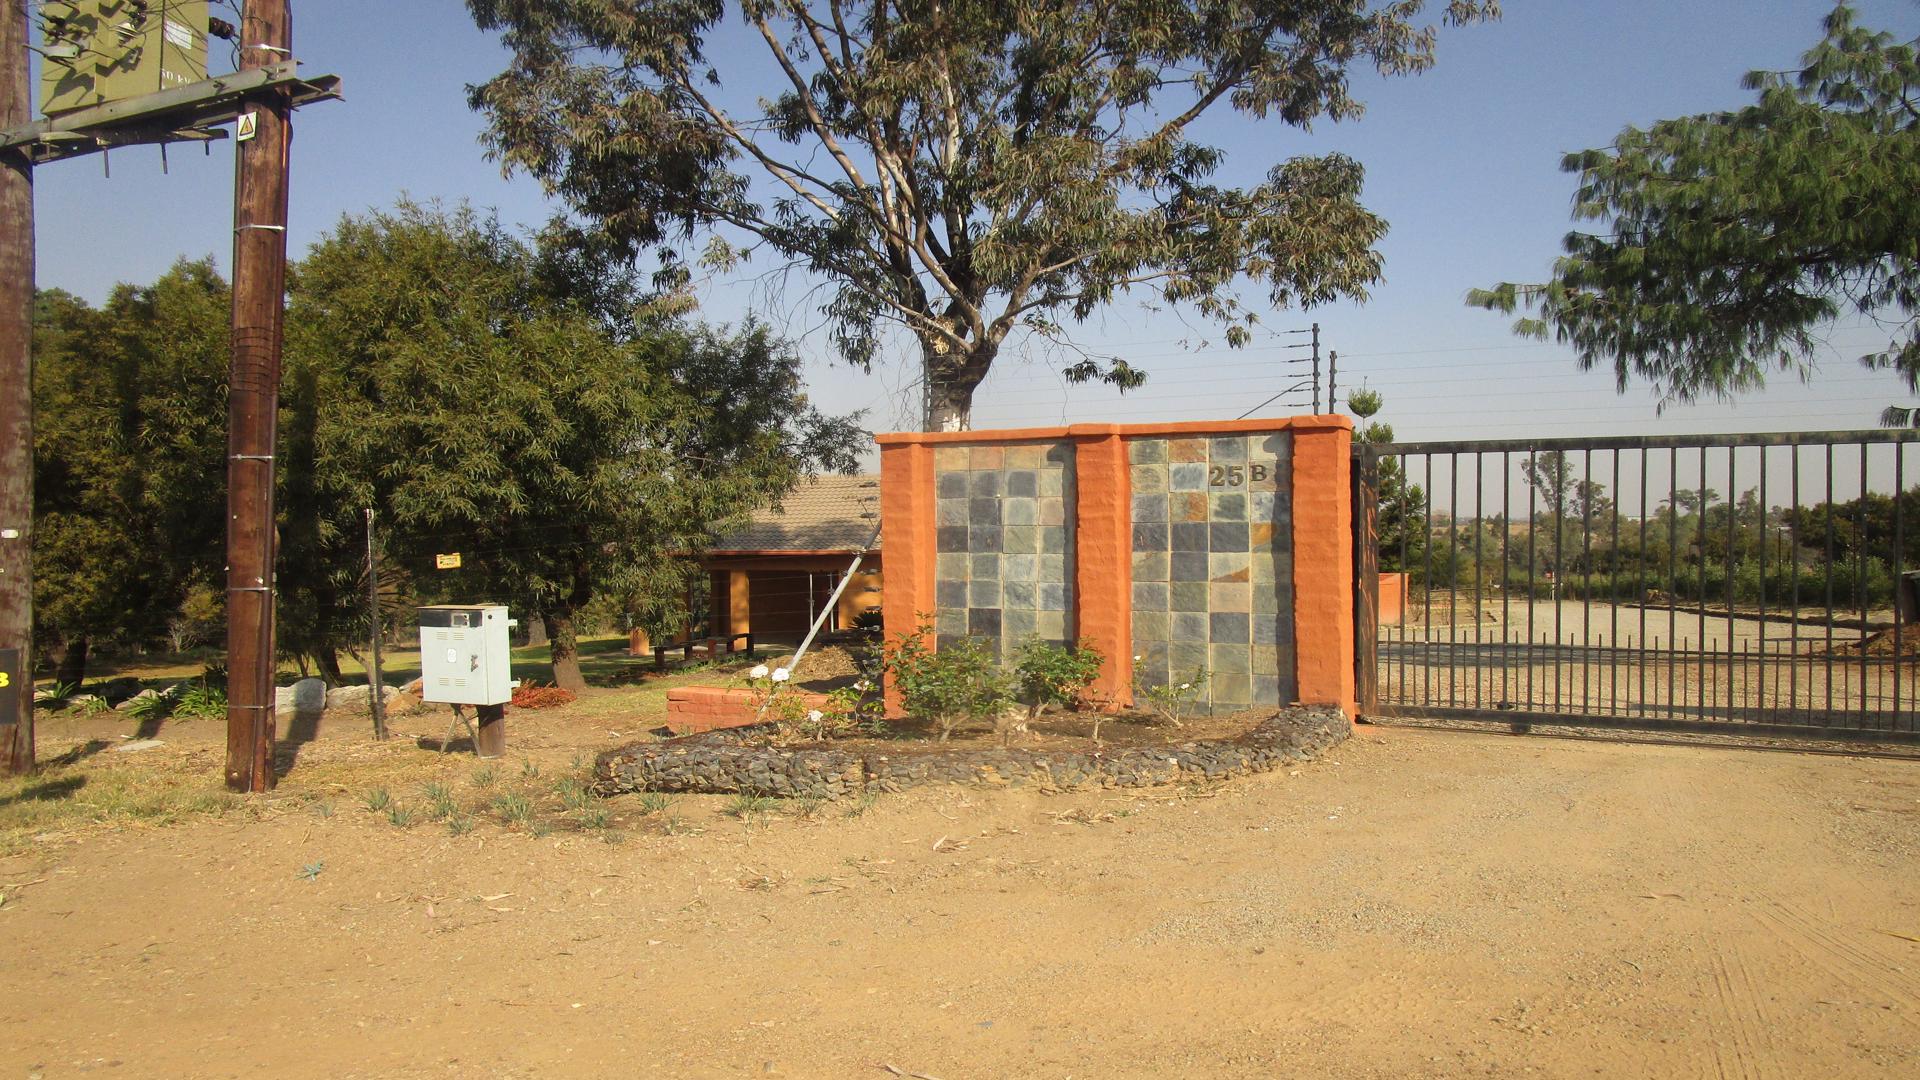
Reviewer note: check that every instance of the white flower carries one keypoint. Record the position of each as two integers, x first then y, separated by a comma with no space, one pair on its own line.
1138,656
759,672
863,685
781,674
1186,686
813,717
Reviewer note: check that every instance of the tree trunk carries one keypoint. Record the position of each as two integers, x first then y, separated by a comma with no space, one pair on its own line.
327,659
73,662
565,650
537,629
951,379
949,408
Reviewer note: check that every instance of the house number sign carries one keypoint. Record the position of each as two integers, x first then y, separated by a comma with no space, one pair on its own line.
1240,475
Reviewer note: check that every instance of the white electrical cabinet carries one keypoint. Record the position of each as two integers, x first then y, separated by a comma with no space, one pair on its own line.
465,655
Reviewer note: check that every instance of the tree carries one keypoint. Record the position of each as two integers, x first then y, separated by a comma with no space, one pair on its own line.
1550,475
130,421
464,385
1399,507
962,169
1732,237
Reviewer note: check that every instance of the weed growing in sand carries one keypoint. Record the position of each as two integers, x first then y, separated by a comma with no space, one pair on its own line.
401,817
653,802
862,803
485,776
459,825
515,809
747,805
377,799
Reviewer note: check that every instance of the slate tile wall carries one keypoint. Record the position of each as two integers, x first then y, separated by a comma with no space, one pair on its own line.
1213,565
1003,530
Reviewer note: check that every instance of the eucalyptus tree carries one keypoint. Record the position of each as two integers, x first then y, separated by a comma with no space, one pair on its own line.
963,169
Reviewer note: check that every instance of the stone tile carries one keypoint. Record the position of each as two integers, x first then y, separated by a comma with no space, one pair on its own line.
1019,567
985,485
1149,596
1059,453
1280,445
950,485
1053,596
1026,456
950,538
1051,625
1018,511
983,511
1266,629
1188,566
1146,451
1153,671
1149,508
1266,690
1053,568
1227,450
1022,483
1266,600
1265,568
1224,536
1022,540
1187,595
1260,535
1187,476
1228,628
1053,540
948,621
1149,536
1229,659
1185,658
1229,597
1231,689
1260,506
1150,566
950,564
1019,624
1149,626
1189,536
1053,511
983,593
1188,626
987,457
1019,594
950,593
1187,506
947,458
1148,479
1052,483
950,512
984,538
1228,566
1231,506
1187,450
1265,474
984,565
1266,659
983,621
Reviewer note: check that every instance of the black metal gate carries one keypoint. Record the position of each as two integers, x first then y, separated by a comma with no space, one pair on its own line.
1756,584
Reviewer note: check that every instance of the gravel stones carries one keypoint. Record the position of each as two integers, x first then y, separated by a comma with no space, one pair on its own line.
725,762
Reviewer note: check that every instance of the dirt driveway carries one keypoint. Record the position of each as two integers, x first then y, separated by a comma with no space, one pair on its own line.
1423,903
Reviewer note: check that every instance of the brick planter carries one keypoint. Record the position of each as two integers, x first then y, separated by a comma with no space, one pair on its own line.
694,709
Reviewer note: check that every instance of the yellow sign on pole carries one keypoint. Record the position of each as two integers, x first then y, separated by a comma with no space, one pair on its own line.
447,562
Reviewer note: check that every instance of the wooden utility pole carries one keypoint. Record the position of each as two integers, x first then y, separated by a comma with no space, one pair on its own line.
259,286
16,403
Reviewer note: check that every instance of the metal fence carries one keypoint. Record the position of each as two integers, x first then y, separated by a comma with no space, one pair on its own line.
1747,583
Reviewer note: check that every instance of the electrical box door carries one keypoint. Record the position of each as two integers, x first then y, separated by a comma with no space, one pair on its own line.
465,654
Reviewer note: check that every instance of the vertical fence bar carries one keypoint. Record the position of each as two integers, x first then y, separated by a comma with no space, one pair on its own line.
1479,526
1533,494
1700,542
1640,585
1613,595
1366,540
1453,575
1829,561
1761,673
1506,571
1733,542
1793,567
1673,573
1583,494
1559,569
1860,583
1426,596
1404,519
1899,585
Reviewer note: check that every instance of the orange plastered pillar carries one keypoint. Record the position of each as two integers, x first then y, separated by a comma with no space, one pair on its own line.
1103,555
1323,562
739,602
906,539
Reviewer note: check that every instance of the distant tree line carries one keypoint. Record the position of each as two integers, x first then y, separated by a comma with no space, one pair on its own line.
509,398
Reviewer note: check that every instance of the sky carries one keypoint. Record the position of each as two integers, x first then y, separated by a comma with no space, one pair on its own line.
1462,161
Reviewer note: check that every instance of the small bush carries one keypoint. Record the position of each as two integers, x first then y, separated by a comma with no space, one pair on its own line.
202,701
654,802
400,816
529,696
56,695
1053,676
950,686
1173,701
515,809
377,799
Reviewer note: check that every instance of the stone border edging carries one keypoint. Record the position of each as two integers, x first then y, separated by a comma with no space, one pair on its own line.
725,762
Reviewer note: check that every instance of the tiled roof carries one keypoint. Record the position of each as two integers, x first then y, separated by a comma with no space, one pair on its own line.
825,513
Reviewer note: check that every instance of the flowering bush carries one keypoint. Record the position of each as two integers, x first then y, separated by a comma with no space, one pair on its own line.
1172,701
958,683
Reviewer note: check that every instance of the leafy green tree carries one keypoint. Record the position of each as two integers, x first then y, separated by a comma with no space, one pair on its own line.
1400,507
456,379
130,422
1731,238
961,169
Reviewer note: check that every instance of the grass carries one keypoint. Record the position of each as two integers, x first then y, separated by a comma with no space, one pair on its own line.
74,791
747,805
377,799
654,802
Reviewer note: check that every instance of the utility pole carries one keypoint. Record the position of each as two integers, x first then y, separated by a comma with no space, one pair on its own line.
1316,370
16,403
259,287
376,685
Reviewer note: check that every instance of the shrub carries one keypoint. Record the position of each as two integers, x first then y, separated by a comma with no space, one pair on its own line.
1173,701
1053,676
202,701
531,696
950,686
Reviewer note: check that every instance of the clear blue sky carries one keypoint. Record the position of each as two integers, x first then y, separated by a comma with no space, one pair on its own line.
1462,161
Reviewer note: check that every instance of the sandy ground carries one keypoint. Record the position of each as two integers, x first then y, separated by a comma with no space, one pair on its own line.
1422,903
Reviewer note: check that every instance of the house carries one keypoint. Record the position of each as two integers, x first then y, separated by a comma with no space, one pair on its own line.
775,575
